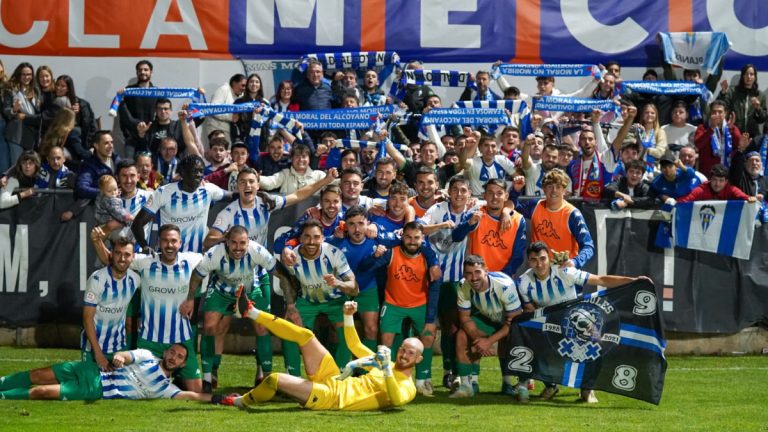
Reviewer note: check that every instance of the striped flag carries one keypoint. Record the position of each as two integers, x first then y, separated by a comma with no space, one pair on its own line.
610,340
721,227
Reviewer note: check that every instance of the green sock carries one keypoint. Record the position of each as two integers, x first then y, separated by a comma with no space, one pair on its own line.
292,358
264,352
370,344
17,380
448,348
207,352
216,361
17,394
342,355
396,342
424,368
476,369
463,369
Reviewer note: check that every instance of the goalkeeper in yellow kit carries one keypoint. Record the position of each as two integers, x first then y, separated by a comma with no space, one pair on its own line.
386,385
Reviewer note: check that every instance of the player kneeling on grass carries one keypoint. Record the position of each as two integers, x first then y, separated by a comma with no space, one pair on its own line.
487,303
133,374
385,385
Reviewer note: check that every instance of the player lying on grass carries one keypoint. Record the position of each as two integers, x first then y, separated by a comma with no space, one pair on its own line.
133,374
385,385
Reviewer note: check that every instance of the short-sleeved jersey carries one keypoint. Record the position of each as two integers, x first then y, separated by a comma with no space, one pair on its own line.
135,204
563,284
189,211
499,299
386,224
449,253
163,288
255,220
533,178
227,273
355,254
110,297
479,173
418,209
142,379
309,272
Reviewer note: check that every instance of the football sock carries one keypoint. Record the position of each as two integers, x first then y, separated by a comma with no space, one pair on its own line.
207,353
464,370
448,348
370,344
17,380
475,371
216,361
15,394
424,367
264,352
262,393
292,357
342,350
283,329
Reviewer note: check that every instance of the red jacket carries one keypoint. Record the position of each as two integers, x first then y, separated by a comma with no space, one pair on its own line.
702,138
704,192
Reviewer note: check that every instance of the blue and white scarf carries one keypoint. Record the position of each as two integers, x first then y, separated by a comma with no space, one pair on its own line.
167,170
695,50
156,92
648,140
722,144
573,104
206,109
465,116
664,87
433,77
354,60
340,119
564,70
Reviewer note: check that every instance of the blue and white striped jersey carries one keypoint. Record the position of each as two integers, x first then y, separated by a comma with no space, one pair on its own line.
366,202
310,273
479,173
227,273
189,211
135,204
255,219
449,253
563,284
142,379
499,299
110,297
163,289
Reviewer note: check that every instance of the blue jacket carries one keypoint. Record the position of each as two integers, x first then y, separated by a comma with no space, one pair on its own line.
88,177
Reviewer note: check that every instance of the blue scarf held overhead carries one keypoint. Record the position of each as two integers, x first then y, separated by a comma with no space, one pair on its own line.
156,92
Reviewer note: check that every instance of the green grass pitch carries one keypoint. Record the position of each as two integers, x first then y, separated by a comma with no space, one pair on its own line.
700,393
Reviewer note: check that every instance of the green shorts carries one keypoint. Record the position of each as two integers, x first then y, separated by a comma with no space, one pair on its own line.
448,297
368,301
309,311
191,369
87,356
392,318
223,303
485,325
134,307
79,380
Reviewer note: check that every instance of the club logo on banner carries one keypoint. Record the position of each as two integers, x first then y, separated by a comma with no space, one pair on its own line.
610,340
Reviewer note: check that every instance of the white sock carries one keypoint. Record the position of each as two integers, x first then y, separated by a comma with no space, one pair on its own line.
419,382
466,381
475,379
207,377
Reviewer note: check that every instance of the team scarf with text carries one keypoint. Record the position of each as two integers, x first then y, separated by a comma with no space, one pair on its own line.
207,109
156,92
589,183
353,60
535,70
432,77
694,50
573,104
465,116
669,88
648,140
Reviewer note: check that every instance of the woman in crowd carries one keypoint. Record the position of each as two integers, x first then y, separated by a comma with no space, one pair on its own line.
21,180
45,85
283,101
65,97
21,107
745,101
63,133
241,126
653,139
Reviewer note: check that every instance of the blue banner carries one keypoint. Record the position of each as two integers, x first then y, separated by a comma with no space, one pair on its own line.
464,116
572,104
560,70
663,87
348,118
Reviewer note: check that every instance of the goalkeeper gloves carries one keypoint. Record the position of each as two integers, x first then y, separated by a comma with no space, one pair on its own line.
383,359
349,369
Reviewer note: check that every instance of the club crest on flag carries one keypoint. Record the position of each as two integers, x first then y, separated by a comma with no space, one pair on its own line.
586,331
707,214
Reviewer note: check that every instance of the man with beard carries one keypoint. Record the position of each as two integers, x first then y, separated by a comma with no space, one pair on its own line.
411,291
133,374
328,214
384,174
351,182
490,165
534,173
321,274
587,172
231,265
135,110
481,81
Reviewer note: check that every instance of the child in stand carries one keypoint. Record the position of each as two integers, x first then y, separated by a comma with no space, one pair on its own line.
110,213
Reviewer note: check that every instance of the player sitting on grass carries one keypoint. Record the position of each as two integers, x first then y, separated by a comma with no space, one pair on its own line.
133,374
385,385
